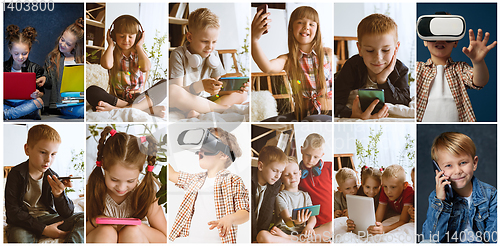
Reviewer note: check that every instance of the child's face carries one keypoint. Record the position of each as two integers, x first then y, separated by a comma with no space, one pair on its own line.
393,187
20,53
41,155
311,156
202,42
440,49
371,187
271,172
291,176
304,30
67,42
377,51
458,168
120,180
125,41
349,187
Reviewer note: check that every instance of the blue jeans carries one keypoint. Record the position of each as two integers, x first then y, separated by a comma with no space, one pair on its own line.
74,224
73,111
15,109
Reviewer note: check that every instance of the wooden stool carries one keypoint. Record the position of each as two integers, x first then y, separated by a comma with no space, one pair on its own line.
272,87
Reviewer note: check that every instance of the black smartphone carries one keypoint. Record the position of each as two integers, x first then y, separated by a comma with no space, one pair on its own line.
366,97
69,177
447,188
264,7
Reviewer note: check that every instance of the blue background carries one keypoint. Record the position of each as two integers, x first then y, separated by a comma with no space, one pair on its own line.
477,16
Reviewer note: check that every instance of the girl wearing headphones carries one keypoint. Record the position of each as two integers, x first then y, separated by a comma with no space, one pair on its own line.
195,69
128,66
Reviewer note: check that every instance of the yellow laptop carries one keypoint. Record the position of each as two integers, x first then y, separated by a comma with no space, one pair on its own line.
73,80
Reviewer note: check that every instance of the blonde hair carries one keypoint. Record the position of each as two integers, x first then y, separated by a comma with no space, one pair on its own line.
395,171
292,159
228,139
344,174
42,132
294,69
269,154
377,24
370,172
201,19
314,140
454,143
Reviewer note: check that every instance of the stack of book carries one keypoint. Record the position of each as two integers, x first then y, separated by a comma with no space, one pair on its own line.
71,99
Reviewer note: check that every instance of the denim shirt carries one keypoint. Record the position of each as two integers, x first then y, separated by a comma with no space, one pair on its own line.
446,220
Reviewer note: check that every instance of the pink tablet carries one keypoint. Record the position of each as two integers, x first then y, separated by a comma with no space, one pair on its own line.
118,221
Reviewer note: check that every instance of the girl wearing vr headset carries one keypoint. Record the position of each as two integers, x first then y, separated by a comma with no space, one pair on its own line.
115,191
67,51
128,66
311,82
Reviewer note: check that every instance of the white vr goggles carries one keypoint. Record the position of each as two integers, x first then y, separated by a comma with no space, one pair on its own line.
203,140
441,27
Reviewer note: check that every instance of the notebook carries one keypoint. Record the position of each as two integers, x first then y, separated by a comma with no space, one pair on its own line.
73,79
18,85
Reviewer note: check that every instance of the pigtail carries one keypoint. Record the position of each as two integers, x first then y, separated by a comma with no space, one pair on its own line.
96,185
26,36
12,31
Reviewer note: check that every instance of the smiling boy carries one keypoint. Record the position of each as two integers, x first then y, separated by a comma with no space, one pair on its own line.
35,201
376,67
471,214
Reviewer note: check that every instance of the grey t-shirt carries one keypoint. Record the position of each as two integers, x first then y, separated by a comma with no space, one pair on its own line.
179,67
32,198
290,200
340,203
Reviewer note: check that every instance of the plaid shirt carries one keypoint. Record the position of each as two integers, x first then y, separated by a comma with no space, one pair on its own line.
459,76
309,63
230,195
130,79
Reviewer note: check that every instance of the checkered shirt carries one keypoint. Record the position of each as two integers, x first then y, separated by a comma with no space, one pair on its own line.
130,79
459,76
230,196
309,64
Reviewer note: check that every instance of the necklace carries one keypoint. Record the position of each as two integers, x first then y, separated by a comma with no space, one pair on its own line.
371,80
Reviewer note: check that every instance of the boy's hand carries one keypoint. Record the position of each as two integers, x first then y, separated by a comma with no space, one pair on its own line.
141,41
411,212
244,88
358,113
302,216
40,81
259,24
338,213
58,186
212,86
224,224
350,225
309,231
345,213
382,76
440,183
477,49
378,228
53,232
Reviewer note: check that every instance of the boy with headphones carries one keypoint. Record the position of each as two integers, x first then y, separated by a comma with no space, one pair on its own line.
195,69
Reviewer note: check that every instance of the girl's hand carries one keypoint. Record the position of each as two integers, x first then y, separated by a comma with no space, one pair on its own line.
141,41
350,225
224,224
302,216
378,228
108,38
41,81
58,186
259,24
440,183
212,86
35,94
477,49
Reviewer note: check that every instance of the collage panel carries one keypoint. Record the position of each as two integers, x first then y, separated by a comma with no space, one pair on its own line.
455,58
44,183
292,62
209,65
126,175
457,180
44,62
126,78
209,176
375,179
291,183
375,51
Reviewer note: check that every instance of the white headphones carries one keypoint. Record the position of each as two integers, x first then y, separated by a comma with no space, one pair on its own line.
196,60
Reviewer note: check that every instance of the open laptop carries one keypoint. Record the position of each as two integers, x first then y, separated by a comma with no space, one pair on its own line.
73,80
361,210
18,85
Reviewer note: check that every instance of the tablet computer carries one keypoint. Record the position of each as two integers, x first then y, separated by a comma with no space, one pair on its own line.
314,211
18,85
361,210
72,79
366,97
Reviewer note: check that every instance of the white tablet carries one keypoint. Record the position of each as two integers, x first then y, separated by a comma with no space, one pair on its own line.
362,211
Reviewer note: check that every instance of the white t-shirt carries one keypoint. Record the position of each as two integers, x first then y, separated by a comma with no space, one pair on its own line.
204,212
441,106
469,236
67,63
15,71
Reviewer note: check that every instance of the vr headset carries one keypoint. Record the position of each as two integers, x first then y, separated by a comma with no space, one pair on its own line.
441,27
205,141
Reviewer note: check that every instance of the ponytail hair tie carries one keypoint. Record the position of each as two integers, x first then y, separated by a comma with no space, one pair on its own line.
150,168
98,163
143,139
381,169
112,132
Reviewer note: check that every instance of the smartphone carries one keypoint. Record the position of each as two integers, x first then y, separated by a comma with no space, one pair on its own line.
264,7
233,83
69,177
314,211
447,188
366,97
118,221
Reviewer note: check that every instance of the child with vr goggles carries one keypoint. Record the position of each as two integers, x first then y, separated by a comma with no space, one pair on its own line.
215,198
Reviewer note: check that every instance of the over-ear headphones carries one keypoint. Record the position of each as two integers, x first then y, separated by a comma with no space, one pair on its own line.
195,60
122,18
316,170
